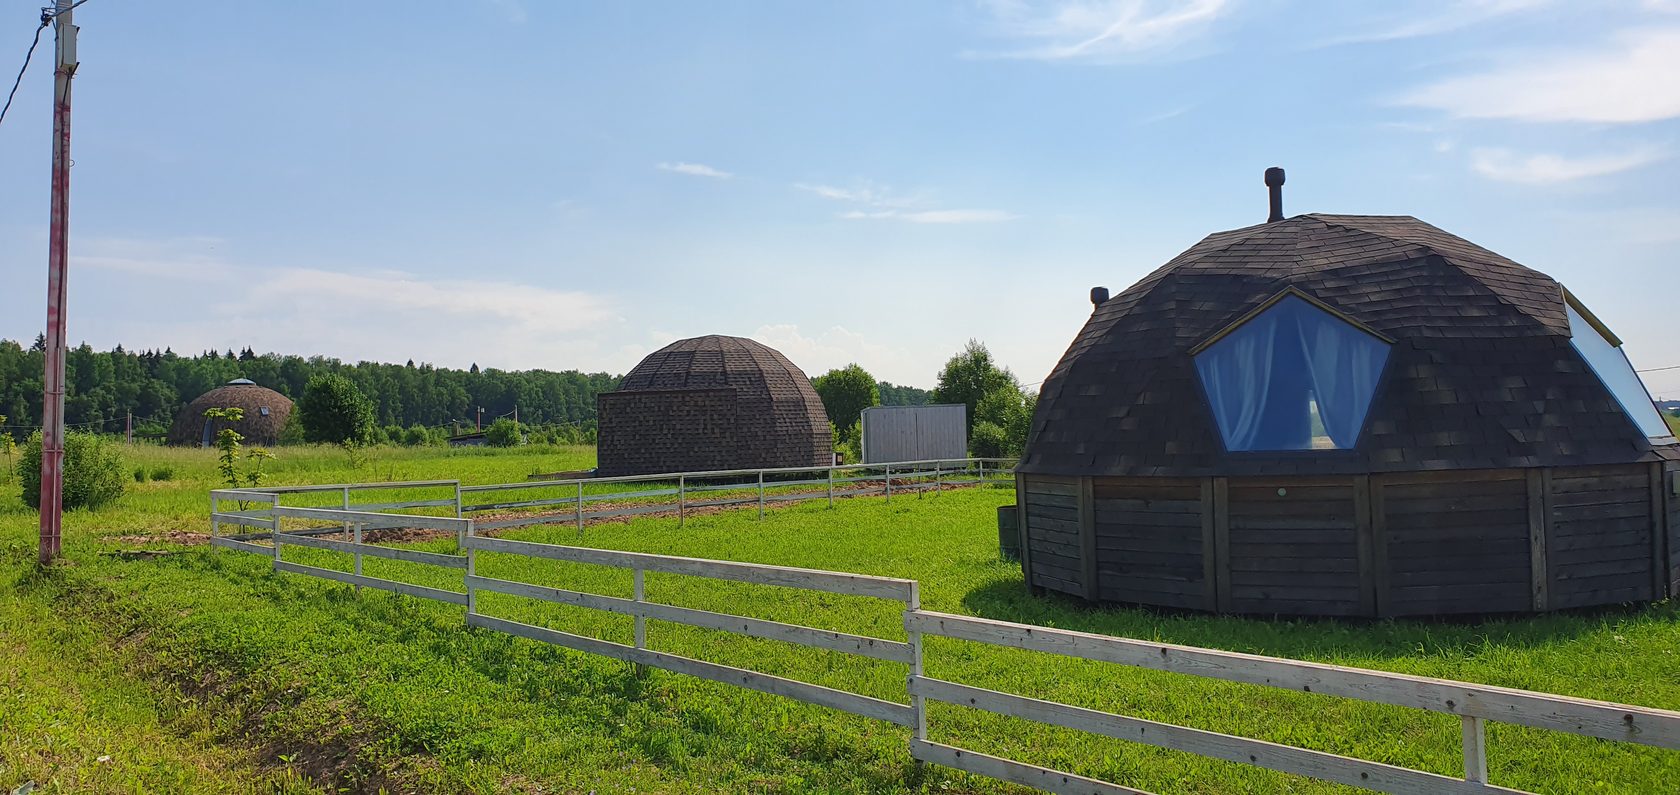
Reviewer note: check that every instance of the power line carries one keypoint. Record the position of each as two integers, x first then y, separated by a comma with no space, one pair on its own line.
1659,369
46,19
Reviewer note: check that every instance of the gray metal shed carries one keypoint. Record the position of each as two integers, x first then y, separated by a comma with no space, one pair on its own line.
915,433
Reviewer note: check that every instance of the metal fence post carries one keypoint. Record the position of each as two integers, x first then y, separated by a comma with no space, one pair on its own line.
641,621
831,487
761,494
889,483
682,499
346,506
274,532
580,509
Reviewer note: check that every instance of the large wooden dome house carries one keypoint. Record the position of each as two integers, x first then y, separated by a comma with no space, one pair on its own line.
265,415
712,403
1348,416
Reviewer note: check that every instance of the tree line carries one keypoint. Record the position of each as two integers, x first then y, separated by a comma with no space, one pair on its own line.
102,387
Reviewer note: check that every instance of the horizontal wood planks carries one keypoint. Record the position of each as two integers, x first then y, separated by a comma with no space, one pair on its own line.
1149,541
1294,546
1050,512
1601,542
1456,546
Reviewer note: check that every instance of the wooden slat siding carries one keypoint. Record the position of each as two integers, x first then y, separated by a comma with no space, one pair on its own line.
1539,532
372,550
1457,547
1022,522
783,576
1149,541
1210,577
1052,530
1222,543
242,546
876,648
1040,778
1365,544
1671,476
1659,535
1602,546
1379,547
740,677
1586,717
406,589
1213,745
1321,569
1087,518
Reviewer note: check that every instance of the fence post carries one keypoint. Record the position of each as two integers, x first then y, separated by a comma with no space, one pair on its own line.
274,530
580,509
889,483
761,494
641,621
682,499
831,487
1475,749
358,543
918,707
346,506
457,499
472,571
215,524
938,478
982,476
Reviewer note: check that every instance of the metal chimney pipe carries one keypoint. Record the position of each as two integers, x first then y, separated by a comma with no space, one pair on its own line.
1274,182
1099,296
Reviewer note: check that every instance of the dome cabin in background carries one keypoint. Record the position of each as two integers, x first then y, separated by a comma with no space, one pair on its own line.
712,403
1348,415
266,412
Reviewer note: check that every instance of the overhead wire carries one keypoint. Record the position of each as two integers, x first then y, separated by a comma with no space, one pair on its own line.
46,19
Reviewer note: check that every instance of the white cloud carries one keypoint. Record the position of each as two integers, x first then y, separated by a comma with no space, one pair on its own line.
1434,19
1102,31
1634,79
695,170
1544,169
934,216
882,203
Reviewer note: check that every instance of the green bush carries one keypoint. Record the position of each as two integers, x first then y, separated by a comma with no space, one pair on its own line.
990,440
93,471
504,433
334,411
139,474
163,473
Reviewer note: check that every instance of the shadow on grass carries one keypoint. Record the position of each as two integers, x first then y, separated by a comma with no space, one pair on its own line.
1007,599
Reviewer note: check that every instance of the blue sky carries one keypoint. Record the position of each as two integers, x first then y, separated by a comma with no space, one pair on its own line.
524,184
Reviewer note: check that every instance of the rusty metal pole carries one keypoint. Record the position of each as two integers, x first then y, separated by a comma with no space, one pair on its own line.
58,255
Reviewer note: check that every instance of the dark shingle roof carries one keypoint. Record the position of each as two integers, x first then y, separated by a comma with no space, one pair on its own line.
257,428
1482,373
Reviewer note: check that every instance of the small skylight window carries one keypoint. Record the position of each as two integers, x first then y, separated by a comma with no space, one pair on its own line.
1293,377
1613,370
263,411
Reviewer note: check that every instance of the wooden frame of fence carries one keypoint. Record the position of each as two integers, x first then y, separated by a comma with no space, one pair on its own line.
1473,704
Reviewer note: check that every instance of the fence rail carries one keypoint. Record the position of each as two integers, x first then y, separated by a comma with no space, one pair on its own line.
1474,705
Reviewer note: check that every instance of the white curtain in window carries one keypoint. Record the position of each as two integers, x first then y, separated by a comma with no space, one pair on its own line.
1344,364
1237,374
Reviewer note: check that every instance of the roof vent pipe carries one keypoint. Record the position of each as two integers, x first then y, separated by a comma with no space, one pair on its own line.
1099,295
1274,182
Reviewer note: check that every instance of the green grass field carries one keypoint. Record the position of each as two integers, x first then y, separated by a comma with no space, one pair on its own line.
201,672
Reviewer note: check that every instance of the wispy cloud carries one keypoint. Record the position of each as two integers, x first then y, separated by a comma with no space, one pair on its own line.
1101,31
1410,21
1634,79
877,202
695,170
1545,169
934,216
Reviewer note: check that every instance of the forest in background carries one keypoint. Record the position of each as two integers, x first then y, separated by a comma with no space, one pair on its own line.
104,386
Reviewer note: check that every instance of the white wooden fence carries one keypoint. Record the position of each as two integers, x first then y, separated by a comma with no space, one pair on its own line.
1475,705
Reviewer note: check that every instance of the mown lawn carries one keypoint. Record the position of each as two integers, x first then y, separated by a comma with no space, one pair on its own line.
208,672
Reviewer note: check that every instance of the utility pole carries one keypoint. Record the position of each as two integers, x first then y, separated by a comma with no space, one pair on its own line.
58,260
479,424
128,428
